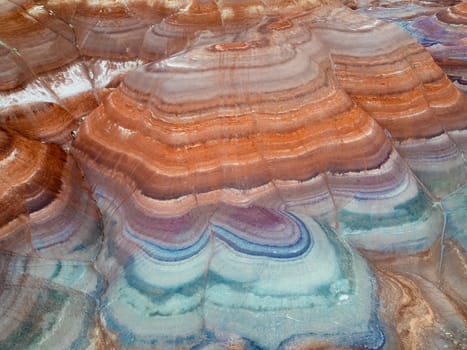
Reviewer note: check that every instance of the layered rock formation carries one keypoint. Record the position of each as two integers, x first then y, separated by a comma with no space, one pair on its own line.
240,154
50,234
440,26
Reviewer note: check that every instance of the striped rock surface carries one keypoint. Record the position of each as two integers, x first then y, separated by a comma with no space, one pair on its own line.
268,175
50,234
442,29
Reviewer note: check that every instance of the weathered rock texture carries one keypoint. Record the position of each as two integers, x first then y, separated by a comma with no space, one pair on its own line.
271,174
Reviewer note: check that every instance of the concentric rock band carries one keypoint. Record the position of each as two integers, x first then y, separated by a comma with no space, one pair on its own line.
230,175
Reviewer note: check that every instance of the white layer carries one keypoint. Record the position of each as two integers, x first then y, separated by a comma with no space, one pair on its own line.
269,328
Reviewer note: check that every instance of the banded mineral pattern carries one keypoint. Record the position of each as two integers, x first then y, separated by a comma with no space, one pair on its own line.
50,234
439,27
231,175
